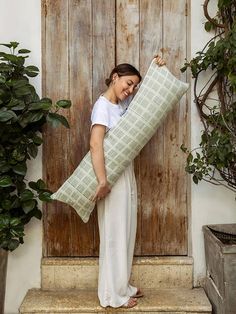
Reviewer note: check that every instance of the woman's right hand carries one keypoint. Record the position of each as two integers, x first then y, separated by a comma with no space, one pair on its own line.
159,61
103,189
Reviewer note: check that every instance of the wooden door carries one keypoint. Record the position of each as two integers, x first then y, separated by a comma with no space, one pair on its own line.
82,42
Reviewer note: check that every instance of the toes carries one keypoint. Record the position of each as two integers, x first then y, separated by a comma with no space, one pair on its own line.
130,303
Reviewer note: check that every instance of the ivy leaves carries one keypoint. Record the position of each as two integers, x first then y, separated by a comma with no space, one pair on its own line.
5,181
22,116
216,151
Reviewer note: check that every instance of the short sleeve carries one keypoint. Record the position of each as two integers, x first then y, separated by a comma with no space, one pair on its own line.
100,113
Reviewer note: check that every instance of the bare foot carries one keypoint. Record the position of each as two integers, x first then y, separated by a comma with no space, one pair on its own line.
130,303
138,294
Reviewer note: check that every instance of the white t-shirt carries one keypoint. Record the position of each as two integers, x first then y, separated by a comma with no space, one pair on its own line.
108,114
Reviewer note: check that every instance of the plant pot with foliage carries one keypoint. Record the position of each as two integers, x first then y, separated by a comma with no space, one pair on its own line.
215,159
22,116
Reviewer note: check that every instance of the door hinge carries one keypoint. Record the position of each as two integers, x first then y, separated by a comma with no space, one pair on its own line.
44,6
186,8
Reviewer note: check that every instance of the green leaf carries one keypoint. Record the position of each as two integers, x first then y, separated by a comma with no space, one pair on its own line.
183,69
208,26
64,103
195,179
189,158
45,197
7,115
6,204
4,166
15,222
18,155
20,106
35,116
32,68
23,91
183,148
40,105
6,67
24,51
55,120
4,221
45,99
16,202
20,169
33,185
5,181
37,213
13,244
28,205
6,45
26,195
41,184
14,59
2,151
37,140
2,79
31,71
13,102
18,83
30,74
14,44
33,150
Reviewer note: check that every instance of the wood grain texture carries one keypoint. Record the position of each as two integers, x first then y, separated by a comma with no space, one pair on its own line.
174,214
103,62
151,157
80,77
104,36
57,228
127,32
93,36
127,51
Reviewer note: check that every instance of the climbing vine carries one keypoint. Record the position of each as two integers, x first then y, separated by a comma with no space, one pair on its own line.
215,158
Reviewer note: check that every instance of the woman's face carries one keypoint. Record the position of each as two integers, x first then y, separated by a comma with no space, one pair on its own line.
124,86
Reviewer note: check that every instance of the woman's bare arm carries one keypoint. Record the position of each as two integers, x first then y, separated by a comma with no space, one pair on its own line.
98,160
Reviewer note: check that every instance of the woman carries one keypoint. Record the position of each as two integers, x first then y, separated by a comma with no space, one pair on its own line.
117,207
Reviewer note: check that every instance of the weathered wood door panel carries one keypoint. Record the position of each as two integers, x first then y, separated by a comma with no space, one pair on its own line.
82,41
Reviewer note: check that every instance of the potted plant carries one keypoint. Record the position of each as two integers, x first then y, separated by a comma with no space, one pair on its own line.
22,116
215,159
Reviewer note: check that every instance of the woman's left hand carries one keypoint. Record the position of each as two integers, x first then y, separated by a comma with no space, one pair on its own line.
103,189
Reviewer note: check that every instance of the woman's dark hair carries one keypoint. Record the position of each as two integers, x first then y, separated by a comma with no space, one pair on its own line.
123,69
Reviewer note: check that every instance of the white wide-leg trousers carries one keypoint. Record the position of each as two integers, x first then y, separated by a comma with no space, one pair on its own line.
117,219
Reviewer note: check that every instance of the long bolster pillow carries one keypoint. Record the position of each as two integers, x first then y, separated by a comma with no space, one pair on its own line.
159,91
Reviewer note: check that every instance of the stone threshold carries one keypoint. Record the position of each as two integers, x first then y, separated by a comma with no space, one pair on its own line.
147,272
91,261
166,301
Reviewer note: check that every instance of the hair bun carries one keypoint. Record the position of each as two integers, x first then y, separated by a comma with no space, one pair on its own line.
108,81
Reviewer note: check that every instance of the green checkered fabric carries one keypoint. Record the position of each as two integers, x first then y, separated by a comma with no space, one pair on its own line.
159,91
